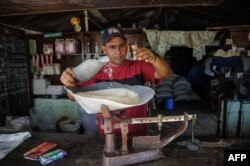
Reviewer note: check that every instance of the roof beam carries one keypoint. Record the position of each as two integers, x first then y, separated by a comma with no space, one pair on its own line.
229,27
98,15
20,7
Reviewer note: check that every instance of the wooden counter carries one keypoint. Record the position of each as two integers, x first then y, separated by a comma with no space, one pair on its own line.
87,151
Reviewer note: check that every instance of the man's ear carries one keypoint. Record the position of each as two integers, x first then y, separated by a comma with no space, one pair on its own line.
104,49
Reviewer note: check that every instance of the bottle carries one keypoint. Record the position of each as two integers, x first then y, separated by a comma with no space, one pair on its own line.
90,65
128,55
134,48
96,48
88,48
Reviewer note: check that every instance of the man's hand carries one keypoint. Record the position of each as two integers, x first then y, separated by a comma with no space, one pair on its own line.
162,68
67,77
143,54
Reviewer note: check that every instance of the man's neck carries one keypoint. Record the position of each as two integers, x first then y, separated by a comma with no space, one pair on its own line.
113,65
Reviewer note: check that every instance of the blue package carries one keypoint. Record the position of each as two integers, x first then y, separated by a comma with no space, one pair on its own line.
52,156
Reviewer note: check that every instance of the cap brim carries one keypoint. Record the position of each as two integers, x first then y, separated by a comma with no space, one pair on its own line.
115,35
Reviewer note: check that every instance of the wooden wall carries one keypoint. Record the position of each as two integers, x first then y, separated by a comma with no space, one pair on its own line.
240,37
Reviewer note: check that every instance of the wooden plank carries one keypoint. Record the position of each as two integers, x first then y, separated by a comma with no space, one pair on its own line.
98,15
229,27
19,7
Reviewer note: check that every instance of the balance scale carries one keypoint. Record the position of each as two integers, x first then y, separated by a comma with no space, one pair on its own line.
144,148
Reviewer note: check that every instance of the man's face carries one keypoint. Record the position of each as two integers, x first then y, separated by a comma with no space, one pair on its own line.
116,49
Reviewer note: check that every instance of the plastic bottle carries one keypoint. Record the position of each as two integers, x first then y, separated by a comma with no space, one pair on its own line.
96,48
90,65
128,55
134,48
88,48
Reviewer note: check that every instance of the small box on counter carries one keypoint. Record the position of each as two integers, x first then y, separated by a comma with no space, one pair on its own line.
52,156
40,86
39,150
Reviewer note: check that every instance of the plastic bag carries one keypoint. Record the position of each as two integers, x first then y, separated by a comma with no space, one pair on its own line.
42,116
93,105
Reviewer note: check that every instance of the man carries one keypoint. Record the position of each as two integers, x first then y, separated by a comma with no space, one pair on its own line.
147,67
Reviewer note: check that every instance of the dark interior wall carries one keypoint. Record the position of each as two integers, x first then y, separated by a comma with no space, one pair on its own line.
184,64
181,60
240,37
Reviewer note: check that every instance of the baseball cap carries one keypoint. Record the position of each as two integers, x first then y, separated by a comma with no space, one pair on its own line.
113,31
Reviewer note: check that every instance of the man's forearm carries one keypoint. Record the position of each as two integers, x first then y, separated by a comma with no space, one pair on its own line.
162,68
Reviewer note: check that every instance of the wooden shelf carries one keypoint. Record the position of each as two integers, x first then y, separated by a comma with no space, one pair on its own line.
76,54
